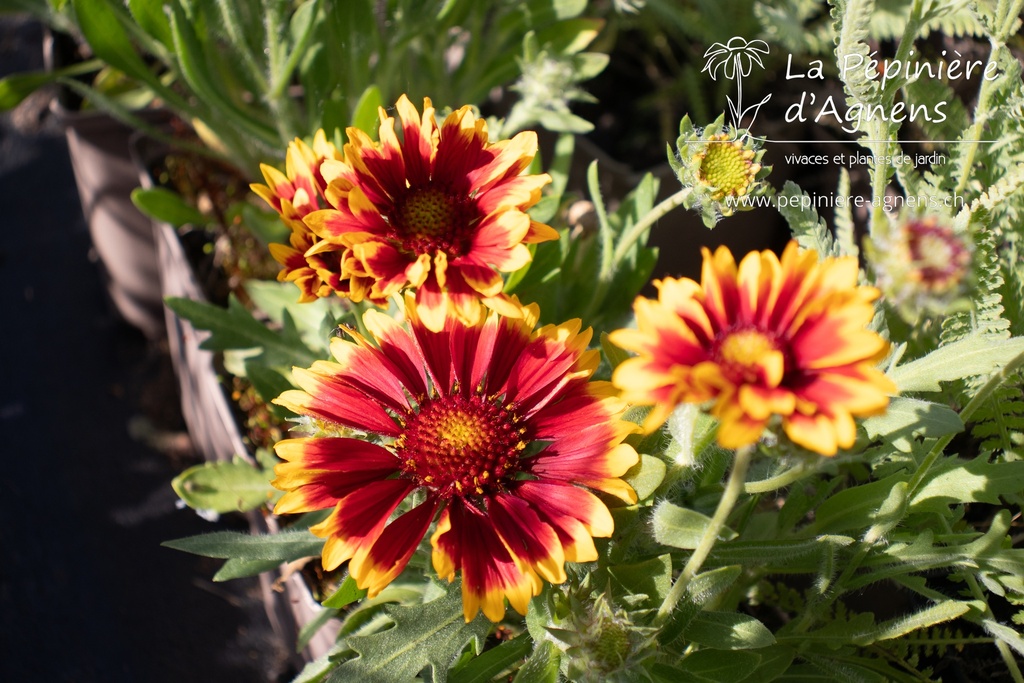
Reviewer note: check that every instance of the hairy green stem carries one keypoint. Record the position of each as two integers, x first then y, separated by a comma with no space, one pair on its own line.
612,255
641,226
792,475
733,489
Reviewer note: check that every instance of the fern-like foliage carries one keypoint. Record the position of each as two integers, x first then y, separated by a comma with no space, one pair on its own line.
800,26
986,316
999,424
950,17
925,92
853,29
928,644
809,229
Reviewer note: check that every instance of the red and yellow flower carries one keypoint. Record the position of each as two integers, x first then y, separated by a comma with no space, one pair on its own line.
295,194
493,428
436,208
771,337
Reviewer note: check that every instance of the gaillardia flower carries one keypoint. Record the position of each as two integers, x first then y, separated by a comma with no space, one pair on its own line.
438,208
772,337
922,264
494,428
721,166
294,194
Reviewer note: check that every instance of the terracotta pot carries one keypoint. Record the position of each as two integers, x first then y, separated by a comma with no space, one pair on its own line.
105,175
211,420
121,235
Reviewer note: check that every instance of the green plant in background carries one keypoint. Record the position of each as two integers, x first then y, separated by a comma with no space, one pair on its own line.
841,422
250,77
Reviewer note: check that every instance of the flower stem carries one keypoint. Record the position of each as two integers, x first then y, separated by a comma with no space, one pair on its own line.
793,474
610,258
641,226
733,489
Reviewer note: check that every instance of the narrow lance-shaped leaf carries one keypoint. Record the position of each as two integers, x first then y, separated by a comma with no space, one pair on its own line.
236,328
973,355
283,547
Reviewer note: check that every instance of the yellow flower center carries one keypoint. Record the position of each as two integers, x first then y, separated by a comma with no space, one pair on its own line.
727,168
742,355
461,446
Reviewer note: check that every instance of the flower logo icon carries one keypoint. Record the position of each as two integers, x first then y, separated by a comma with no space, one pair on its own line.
736,59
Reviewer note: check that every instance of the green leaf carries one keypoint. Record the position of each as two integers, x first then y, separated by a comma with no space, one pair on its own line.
431,634
839,631
855,507
788,556
196,73
1005,634
347,593
890,513
974,355
167,206
646,476
613,353
809,229
484,667
109,41
311,627
269,384
278,299
954,480
841,671
16,87
775,661
717,666
728,631
652,577
682,528
235,328
150,17
909,418
570,36
283,547
364,117
541,667
896,628
235,568
267,226
223,487
702,591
